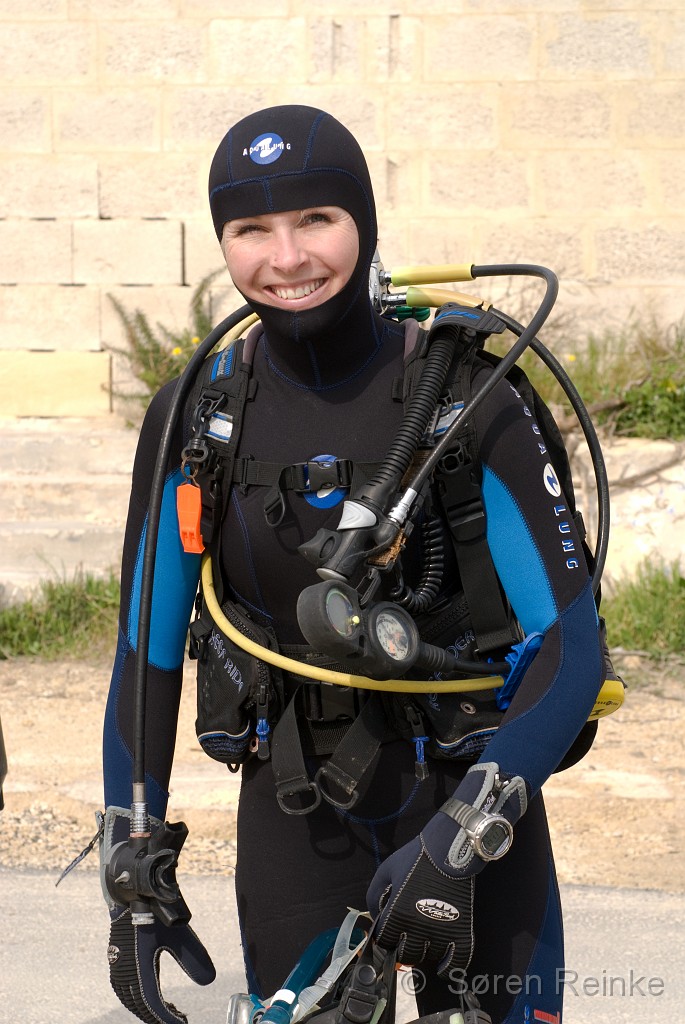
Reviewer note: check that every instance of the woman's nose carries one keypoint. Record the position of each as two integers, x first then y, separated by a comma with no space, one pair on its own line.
287,254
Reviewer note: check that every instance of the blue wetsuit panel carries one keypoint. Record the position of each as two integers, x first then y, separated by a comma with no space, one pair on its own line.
176,578
517,557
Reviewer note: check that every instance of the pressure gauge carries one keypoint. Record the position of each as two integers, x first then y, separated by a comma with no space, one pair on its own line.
393,639
382,641
330,617
392,635
340,612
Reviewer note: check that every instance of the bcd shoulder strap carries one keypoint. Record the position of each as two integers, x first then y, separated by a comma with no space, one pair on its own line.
217,405
458,478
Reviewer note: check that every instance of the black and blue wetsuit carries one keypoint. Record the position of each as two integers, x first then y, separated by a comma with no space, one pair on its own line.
324,863
329,391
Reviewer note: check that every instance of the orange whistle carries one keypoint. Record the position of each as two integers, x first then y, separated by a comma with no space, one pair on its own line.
189,508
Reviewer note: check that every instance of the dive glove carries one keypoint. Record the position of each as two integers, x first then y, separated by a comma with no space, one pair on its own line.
134,952
423,893
135,949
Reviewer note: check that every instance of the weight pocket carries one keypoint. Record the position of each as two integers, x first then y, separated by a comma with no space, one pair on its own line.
235,690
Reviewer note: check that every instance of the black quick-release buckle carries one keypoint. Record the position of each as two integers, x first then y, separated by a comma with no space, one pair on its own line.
305,478
310,477
361,997
326,703
468,523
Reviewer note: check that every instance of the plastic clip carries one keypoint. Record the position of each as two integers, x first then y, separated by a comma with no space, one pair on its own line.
263,731
420,768
263,728
274,507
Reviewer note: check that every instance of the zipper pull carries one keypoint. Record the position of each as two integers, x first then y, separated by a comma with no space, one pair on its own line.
415,720
263,727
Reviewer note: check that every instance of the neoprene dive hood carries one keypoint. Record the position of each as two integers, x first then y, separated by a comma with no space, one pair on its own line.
290,158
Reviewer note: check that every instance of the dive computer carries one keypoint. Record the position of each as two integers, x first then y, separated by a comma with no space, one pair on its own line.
490,835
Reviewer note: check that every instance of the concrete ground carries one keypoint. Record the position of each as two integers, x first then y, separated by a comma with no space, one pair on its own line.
624,957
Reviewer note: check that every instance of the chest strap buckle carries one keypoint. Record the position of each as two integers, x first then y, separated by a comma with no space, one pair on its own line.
310,477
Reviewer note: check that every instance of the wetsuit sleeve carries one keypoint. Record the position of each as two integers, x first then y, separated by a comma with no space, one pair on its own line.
175,584
540,563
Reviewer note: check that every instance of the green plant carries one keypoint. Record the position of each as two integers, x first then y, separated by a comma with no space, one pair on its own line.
632,380
157,355
655,408
647,612
67,618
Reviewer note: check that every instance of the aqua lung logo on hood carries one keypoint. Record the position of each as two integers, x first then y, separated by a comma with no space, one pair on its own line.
437,910
266,148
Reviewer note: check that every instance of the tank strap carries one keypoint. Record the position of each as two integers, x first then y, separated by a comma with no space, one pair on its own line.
458,479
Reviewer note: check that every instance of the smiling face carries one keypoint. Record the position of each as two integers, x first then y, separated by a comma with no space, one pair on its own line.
294,260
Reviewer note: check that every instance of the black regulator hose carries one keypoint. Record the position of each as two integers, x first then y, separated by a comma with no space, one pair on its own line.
428,587
593,443
181,392
525,339
415,422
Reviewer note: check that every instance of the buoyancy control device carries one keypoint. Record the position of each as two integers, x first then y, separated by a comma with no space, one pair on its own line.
357,642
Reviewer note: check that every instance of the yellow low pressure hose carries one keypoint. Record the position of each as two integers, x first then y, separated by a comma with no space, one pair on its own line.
610,696
609,699
238,330
421,296
444,274
326,675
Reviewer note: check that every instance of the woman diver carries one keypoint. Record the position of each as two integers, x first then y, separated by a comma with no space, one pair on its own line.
293,209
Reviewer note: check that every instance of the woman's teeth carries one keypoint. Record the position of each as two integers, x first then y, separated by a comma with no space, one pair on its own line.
299,292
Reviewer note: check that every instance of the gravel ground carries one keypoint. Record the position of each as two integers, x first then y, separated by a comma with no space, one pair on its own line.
602,812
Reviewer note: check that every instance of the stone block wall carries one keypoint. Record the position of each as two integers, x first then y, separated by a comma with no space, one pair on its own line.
543,130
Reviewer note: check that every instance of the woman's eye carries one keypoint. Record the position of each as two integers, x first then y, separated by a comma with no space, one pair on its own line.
316,217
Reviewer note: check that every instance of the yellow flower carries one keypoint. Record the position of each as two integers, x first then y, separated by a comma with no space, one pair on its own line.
176,351
195,340
571,357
